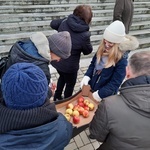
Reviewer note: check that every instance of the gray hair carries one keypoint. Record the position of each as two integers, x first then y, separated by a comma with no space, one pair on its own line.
140,63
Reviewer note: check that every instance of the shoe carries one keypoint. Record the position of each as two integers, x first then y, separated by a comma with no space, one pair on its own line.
91,136
57,99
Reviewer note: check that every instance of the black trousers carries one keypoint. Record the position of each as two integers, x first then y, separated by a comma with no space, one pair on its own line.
67,81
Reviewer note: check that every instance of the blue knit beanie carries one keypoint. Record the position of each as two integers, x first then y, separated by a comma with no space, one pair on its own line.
24,86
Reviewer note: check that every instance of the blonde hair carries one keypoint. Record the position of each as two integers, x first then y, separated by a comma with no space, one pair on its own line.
114,54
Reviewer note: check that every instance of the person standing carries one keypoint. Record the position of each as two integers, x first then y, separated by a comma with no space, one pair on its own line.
122,122
41,51
28,119
123,11
77,24
108,66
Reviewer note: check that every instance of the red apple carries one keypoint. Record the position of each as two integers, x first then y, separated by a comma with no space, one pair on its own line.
76,119
85,113
81,104
80,99
70,105
81,109
86,108
76,107
86,102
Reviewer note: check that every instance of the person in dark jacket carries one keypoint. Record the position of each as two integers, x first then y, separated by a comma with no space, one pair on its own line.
123,11
108,67
28,119
40,50
122,122
77,24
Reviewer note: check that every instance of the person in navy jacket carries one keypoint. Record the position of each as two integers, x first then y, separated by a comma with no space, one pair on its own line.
28,119
77,24
108,67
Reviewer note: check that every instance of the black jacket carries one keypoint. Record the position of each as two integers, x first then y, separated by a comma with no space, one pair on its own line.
18,54
80,37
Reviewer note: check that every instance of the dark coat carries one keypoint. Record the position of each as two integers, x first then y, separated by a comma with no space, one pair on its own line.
80,37
50,136
109,80
122,122
123,11
40,128
20,53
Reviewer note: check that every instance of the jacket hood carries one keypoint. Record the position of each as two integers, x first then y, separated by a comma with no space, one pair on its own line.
76,24
135,93
130,43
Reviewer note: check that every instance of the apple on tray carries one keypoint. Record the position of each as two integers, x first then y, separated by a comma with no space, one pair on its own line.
86,102
76,119
69,111
91,106
81,109
81,104
85,114
70,105
75,113
68,117
80,99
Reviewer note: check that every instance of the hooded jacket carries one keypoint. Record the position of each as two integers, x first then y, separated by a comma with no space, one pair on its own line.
40,128
109,80
122,122
26,51
80,37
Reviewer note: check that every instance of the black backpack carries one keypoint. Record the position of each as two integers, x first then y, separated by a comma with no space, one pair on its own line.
3,62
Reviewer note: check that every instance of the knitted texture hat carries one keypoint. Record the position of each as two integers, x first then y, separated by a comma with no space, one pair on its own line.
60,44
24,86
115,32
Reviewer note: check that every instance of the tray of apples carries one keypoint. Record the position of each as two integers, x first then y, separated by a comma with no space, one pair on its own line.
79,109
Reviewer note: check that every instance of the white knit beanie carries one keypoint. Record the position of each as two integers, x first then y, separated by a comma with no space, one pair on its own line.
115,32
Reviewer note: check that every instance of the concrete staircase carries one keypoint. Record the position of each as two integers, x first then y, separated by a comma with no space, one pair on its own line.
20,18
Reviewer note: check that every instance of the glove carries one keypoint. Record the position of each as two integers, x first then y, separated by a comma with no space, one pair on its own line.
96,96
84,81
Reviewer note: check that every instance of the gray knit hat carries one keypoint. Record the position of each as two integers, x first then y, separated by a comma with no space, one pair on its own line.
60,44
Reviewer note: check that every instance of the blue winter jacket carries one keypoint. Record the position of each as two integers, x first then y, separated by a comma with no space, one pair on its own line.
108,81
49,136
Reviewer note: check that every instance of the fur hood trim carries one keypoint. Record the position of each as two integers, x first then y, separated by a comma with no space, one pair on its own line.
130,43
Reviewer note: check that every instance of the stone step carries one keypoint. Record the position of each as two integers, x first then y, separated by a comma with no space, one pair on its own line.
45,25
48,2
60,8
28,17
95,39
96,31
96,13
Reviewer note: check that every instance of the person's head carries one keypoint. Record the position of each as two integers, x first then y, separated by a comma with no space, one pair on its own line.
139,64
60,45
57,46
113,35
24,86
84,12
